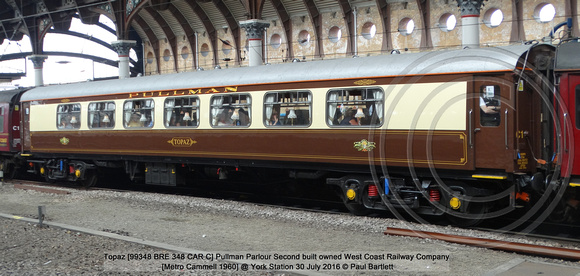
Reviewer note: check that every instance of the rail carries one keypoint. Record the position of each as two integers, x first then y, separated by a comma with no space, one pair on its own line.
538,250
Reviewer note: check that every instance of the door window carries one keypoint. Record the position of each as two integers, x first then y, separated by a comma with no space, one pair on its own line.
490,105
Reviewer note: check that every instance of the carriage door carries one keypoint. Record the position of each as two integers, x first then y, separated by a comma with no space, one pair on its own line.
4,125
573,83
493,117
25,126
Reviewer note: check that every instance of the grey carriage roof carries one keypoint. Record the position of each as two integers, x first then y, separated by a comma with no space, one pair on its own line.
436,62
7,96
567,57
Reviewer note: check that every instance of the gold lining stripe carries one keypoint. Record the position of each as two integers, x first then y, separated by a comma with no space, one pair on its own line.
230,154
487,176
461,162
574,184
284,130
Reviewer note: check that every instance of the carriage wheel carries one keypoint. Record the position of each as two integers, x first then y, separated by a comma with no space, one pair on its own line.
90,179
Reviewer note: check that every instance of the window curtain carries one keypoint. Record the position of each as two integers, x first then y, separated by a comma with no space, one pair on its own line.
111,112
309,107
379,104
216,106
270,98
169,104
332,98
150,104
195,108
128,110
92,114
248,110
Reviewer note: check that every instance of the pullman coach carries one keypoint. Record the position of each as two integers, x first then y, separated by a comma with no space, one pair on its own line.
472,133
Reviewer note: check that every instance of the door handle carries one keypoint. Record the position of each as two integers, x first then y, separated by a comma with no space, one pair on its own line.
476,130
564,142
506,129
469,125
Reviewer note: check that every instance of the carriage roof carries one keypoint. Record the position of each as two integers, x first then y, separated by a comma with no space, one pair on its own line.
7,96
423,63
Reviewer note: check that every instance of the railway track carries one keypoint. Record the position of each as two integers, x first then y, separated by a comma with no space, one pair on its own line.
563,233
264,199
531,249
333,207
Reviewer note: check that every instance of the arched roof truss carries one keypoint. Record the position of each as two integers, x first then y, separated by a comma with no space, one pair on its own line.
153,40
286,23
316,20
348,14
208,27
232,25
168,33
384,12
178,22
187,29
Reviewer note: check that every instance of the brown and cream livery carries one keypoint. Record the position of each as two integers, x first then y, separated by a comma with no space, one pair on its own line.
460,132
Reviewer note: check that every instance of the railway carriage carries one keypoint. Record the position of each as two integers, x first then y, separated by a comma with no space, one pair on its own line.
395,131
567,107
10,140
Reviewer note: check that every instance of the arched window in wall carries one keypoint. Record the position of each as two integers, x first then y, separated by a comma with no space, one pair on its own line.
204,50
447,22
334,34
303,38
493,17
150,58
406,26
184,52
226,47
544,12
166,55
369,30
275,41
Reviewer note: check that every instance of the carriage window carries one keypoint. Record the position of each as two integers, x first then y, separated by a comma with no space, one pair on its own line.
489,105
230,110
288,108
68,116
355,107
138,113
181,112
102,115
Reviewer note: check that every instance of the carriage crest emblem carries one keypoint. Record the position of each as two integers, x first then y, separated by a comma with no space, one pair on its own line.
64,141
364,145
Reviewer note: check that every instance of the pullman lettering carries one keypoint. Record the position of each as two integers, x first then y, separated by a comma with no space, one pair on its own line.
183,92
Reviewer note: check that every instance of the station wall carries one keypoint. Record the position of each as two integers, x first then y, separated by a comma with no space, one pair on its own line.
500,24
